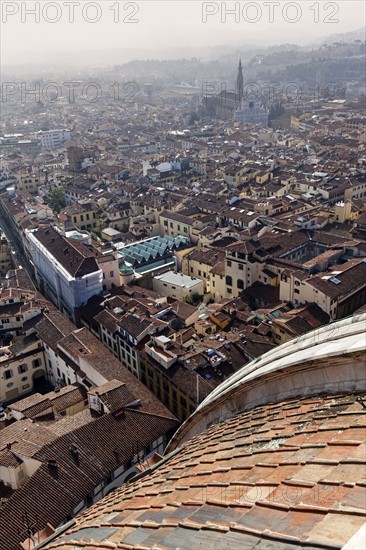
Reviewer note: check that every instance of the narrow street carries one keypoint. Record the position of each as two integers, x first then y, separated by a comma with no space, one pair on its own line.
18,253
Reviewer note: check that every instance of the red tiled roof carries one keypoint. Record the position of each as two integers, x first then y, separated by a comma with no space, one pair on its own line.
279,476
52,493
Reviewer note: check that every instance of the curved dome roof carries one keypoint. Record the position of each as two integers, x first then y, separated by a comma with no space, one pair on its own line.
308,365
273,459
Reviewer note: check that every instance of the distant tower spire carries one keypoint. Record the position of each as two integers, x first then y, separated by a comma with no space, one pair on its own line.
239,82
319,81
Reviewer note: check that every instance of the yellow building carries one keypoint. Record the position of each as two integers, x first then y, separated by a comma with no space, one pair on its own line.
28,183
174,224
339,292
217,281
199,264
19,368
80,215
180,389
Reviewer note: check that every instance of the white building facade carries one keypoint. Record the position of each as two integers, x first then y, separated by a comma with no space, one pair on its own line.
51,139
66,290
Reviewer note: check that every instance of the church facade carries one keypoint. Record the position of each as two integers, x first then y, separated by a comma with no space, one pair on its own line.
235,105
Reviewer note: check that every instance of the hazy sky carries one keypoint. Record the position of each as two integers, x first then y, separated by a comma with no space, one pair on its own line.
67,26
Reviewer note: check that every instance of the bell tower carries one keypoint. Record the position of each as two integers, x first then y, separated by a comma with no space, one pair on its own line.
239,88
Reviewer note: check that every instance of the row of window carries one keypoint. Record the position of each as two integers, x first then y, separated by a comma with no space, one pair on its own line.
63,377
7,374
239,255
185,230
239,282
82,217
128,348
7,320
161,390
108,341
240,266
24,387
111,274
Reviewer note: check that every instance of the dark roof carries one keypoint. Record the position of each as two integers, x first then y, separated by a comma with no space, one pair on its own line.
182,310
352,276
32,406
8,459
52,493
176,216
53,327
81,344
10,310
114,395
206,256
76,258
107,320
66,397
135,326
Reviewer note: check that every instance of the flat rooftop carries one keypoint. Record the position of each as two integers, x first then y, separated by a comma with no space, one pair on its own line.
178,279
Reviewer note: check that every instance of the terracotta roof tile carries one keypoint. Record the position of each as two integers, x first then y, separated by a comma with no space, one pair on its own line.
239,485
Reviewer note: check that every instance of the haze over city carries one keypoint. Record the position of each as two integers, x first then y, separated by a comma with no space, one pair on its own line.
106,33
182,275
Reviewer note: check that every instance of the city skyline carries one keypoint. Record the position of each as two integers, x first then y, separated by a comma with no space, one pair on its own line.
95,33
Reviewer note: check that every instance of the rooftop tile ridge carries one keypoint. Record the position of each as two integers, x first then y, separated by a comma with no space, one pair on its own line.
148,413
47,315
74,334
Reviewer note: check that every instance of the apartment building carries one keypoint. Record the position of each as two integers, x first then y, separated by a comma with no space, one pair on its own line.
262,260
131,331
180,389
181,369
108,262
6,260
22,362
94,440
339,292
77,356
66,270
29,183
51,139
174,224
199,264
80,215
177,285
117,215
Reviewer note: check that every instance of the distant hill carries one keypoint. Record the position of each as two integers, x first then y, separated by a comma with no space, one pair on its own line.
359,34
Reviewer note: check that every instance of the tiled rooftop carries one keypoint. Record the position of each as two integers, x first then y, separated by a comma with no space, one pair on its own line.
104,443
281,476
75,257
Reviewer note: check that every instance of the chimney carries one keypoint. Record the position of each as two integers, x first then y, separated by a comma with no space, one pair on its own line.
74,451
